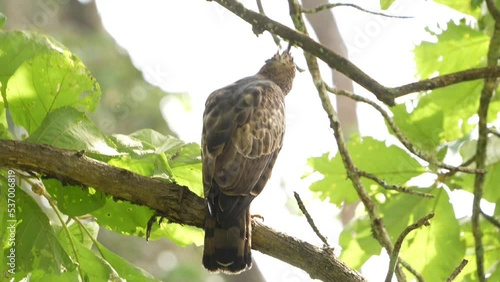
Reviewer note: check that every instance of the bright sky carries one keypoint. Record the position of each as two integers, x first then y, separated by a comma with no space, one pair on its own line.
196,46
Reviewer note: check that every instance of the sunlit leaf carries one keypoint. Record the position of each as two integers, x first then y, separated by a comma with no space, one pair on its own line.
439,246
37,245
123,217
385,4
357,243
74,200
40,75
68,128
469,7
447,54
388,162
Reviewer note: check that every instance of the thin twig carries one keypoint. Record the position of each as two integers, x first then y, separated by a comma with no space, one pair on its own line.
491,219
397,246
261,11
494,132
311,222
443,176
412,270
333,5
457,270
388,186
401,137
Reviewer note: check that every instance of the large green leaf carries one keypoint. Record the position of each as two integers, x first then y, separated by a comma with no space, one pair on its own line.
443,115
423,127
101,265
123,217
435,250
186,167
69,128
357,243
37,245
448,54
156,155
464,6
74,200
388,162
40,75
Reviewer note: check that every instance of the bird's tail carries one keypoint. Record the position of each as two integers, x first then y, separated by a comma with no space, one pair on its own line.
227,245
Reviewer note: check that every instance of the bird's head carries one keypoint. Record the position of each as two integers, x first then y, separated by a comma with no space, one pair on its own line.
281,70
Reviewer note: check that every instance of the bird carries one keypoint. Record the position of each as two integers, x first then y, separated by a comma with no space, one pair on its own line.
243,128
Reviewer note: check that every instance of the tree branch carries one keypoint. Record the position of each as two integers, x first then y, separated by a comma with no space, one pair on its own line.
490,84
177,203
401,137
394,255
261,23
379,231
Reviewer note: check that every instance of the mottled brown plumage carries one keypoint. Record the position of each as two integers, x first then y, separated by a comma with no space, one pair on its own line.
243,127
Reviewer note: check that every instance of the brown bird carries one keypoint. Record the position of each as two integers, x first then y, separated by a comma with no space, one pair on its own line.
243,127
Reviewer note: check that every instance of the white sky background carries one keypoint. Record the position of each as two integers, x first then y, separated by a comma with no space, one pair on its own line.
196,46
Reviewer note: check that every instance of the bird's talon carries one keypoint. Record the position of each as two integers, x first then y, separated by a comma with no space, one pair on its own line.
253,216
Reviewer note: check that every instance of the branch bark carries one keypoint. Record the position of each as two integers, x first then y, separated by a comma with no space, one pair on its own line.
177,203
490,85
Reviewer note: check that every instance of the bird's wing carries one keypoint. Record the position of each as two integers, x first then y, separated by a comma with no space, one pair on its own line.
243,128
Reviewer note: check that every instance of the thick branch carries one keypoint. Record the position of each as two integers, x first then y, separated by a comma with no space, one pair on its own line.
175,202
387,95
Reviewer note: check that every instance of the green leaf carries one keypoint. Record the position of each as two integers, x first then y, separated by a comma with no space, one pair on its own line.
74,200
125,269
40,75
453,45
129,219
91,266
3,19
468,7
358,244
443,115
106,263
182,235
37,245
385,4
163,156
186,167
68,128
366,154
435,250
423,127
154,165
123,217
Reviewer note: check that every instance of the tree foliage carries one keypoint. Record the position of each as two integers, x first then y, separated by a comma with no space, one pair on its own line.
48,93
